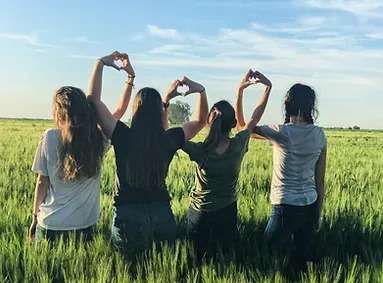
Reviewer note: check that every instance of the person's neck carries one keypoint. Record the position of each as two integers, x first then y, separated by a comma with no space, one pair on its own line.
298,120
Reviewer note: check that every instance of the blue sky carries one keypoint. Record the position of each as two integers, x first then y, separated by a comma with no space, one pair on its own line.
334,45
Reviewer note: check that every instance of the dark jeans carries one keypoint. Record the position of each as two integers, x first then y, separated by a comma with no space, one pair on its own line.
53,235
137,226
213,230
290,230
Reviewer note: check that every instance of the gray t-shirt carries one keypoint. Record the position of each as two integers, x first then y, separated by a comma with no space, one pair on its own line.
68,205
296,150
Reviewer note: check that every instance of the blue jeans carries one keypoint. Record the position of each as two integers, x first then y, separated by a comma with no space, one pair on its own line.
53,235
291,228
212,230
136,226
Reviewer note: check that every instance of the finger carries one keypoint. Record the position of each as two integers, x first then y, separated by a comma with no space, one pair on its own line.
248,74
116,54
189,91
116,67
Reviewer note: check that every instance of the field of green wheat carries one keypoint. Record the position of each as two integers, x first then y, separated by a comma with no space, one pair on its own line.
349,245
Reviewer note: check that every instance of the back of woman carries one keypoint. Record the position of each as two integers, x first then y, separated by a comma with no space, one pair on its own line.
68,162
297,190
212,215
296,151
143,152
217,173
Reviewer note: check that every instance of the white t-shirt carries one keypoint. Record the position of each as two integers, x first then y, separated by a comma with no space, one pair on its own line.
296,150
68,205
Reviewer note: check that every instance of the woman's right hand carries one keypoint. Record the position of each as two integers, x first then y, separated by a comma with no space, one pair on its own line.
246,82
126,65
261,78
32,229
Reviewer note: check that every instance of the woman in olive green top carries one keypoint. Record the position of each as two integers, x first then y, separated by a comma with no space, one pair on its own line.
212,215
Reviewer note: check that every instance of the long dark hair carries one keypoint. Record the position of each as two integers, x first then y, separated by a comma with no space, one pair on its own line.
82,143
146,166
301,101
221,120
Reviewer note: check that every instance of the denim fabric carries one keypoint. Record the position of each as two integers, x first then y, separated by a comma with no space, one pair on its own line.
210,230
291,228
53,235
137,226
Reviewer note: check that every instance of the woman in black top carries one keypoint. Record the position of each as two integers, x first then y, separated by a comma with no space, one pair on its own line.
143,153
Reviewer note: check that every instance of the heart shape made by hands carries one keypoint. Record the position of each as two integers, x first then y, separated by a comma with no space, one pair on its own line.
183,89
253,76
118,63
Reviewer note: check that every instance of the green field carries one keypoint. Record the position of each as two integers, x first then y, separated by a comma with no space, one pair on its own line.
350,242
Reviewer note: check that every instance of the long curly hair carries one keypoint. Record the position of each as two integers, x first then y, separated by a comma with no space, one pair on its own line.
82,142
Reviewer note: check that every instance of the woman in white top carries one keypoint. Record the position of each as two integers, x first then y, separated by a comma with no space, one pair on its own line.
297,190
68,163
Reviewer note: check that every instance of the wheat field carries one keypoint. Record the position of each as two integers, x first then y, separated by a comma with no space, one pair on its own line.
349,245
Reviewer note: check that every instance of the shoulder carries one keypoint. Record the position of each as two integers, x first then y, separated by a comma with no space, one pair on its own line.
273,127
272,130
193,145
120,132
243,135
177,136
175,131
51,136
195,150
321,134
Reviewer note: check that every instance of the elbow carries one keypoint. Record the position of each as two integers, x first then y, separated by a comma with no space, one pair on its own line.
118,114
241,124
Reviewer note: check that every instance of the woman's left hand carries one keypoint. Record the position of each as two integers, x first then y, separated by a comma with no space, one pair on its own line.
32,229
126,65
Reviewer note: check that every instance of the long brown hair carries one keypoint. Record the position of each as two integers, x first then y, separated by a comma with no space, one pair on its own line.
221,120
82,143
146,167
301,101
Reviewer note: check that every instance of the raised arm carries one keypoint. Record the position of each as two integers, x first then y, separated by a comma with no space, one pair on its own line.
125,99
245,82
320,172
105,118
41,190
261,104
169,94
199,116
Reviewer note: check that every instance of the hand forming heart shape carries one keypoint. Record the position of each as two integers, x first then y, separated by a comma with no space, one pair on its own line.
118,64
183,89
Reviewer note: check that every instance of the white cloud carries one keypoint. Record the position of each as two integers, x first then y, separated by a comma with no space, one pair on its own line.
163,33
81,56
301,25
29,39
83,39
365,8
338,64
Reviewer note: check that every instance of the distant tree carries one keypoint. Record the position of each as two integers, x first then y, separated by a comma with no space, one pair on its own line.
356,128
179,112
